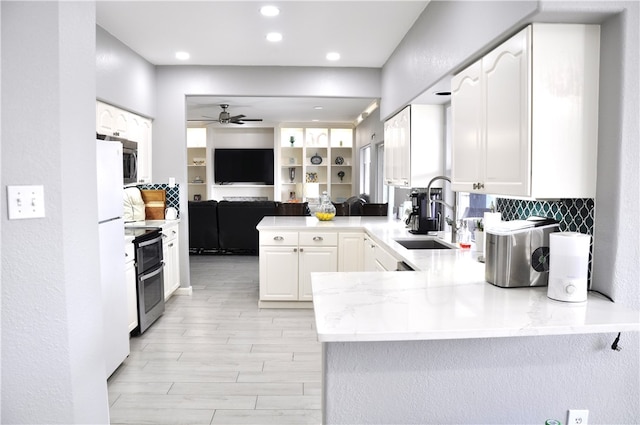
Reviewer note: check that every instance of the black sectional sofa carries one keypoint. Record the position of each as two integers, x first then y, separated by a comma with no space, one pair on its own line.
230,226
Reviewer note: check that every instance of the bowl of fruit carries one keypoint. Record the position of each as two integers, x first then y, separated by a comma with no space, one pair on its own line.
325,216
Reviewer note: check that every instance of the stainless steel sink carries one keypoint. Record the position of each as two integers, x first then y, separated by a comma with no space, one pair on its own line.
423,244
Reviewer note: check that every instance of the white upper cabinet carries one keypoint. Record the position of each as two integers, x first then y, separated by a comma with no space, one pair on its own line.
525,116
468,152
413,146
113,121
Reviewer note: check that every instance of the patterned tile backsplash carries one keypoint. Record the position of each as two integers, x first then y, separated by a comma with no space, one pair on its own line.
173,193
574,215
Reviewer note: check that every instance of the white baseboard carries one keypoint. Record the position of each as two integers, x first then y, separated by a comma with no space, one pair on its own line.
184,291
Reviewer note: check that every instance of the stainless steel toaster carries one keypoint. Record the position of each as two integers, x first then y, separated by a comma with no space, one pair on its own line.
517,252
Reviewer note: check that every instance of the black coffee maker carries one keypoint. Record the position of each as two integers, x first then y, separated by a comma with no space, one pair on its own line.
419,220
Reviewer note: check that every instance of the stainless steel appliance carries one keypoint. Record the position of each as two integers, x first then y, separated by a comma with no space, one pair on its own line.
112,274
419,220
517,252
129,157
149,275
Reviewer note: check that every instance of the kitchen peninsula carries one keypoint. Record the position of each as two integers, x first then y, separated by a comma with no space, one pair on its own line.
436,345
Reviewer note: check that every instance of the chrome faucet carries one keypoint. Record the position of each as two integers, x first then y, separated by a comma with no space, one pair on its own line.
453,208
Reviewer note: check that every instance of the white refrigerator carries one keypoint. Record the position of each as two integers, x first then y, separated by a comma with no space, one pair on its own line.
112,257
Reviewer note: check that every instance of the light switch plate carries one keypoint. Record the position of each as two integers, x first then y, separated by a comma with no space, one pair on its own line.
25,202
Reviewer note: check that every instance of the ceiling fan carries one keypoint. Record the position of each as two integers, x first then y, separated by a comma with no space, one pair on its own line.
226,118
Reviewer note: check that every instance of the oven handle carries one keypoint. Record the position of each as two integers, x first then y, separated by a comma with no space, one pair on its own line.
151,274
150,242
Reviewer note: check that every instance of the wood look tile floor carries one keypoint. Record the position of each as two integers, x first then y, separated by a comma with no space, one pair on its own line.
216,358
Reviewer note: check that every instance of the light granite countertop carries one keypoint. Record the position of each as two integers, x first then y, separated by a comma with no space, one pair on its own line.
446,297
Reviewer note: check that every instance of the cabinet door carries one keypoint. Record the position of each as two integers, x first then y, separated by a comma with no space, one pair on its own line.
314,259
351,252
389,140
397,151
402,149
132,290
506,75
174,254
105,119
144,149
278,273
369,258
171,257
467,149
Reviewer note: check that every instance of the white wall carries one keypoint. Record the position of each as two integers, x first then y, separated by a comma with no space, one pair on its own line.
52,361
446,36
174,83
523,380
123,78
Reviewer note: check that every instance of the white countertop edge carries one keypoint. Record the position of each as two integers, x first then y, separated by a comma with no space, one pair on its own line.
150,223
477,333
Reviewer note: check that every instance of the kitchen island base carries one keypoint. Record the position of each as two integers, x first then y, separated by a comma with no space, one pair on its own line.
474,381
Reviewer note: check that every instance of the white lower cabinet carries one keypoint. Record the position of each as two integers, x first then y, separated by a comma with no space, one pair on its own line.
376,258
171,257
314,259
351,251
287,260
132,287
369,259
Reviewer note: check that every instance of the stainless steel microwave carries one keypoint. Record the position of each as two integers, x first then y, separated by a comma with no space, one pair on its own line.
129,158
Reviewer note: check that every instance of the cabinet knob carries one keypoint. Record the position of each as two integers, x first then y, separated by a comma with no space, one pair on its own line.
278,238
317,238
480,185
475,185
301,249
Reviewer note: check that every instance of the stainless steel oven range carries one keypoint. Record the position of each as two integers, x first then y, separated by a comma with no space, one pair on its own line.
149,275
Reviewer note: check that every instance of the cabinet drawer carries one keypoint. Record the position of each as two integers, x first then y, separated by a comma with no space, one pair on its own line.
319,238
169,233
278,238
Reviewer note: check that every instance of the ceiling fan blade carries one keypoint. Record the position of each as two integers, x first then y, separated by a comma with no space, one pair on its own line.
237,122
252,119
203,120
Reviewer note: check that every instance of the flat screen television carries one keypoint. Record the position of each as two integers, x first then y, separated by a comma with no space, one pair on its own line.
243,166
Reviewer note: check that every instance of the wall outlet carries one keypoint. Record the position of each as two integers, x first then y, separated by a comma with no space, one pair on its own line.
578,417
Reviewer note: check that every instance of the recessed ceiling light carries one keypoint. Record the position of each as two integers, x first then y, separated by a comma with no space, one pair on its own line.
183,56
269,11
274,36
333,56
317,108
315,120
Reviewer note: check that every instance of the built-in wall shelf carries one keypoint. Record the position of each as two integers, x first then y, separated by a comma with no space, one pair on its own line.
197,173
312,160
